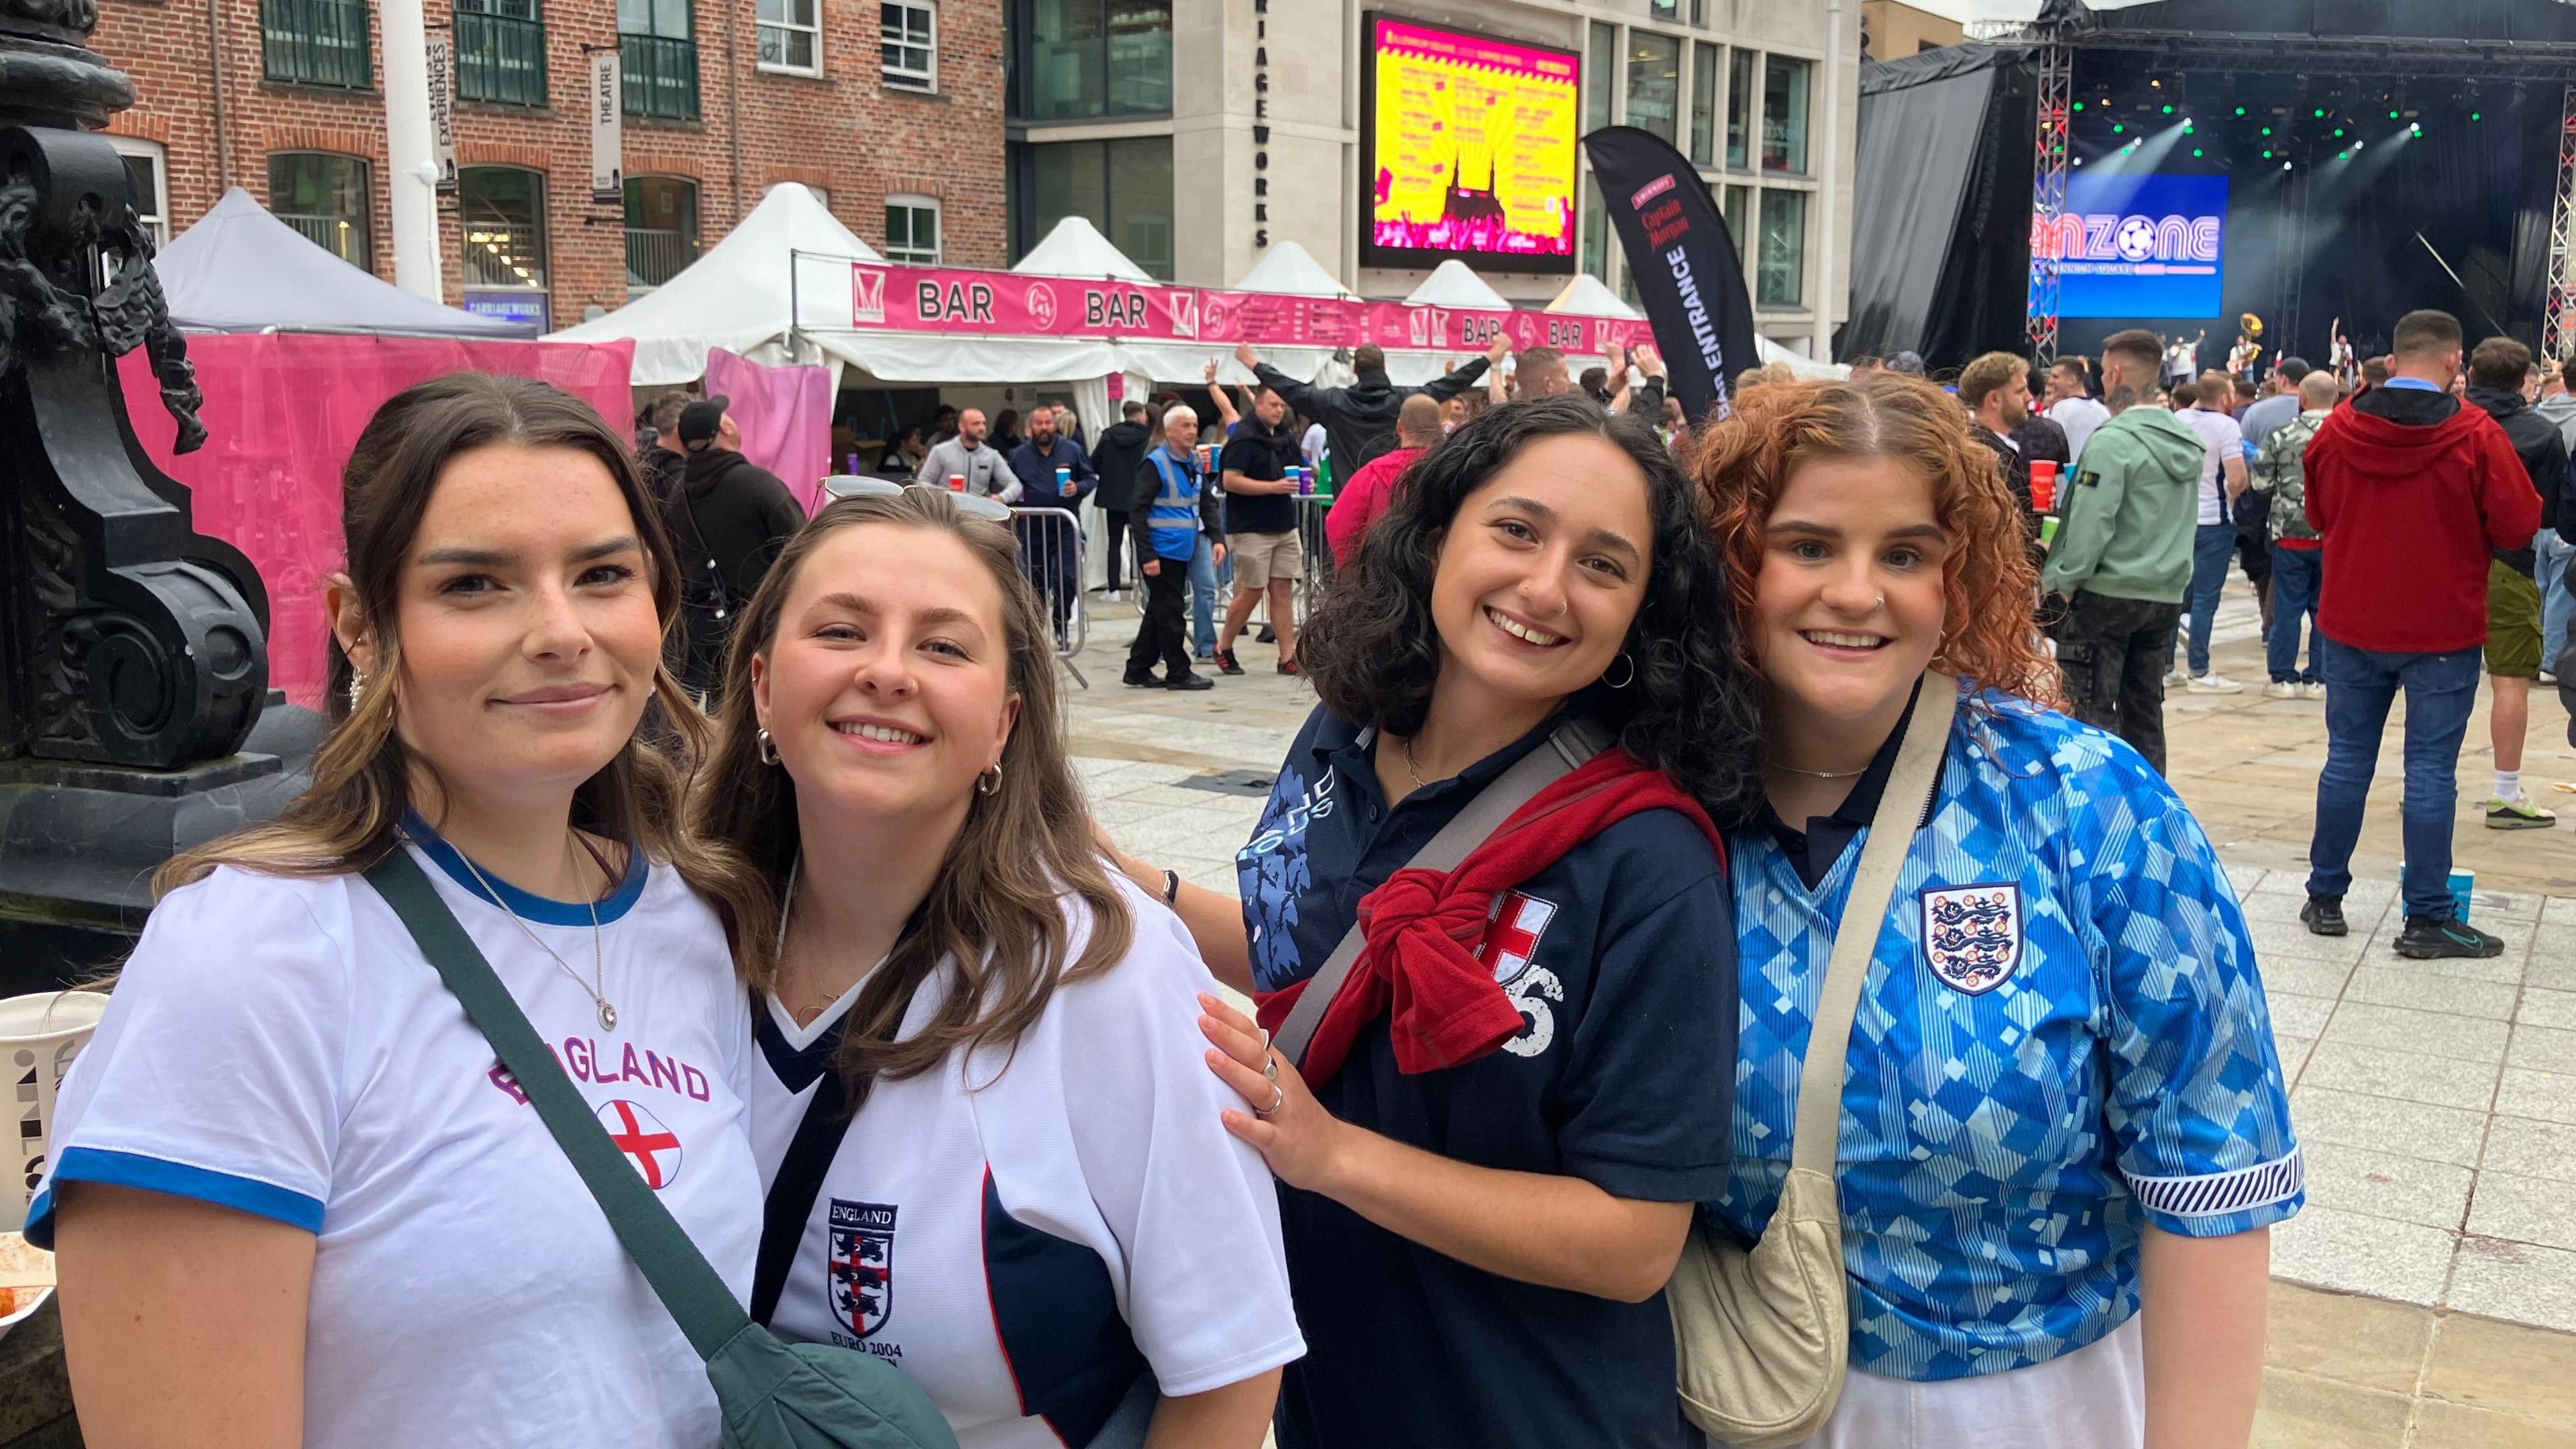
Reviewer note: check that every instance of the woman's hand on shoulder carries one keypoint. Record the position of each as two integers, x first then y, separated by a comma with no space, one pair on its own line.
1301,1141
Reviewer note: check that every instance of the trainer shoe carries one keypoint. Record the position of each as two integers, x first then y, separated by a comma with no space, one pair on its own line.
1189,681
2281,689
2323,916
1225,662
2213,684
1289,666
2548,677
1268,635
2313,689
2175,679
2429,937
1146,680
2503,814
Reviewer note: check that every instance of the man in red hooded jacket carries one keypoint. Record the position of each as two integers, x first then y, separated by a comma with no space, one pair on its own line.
2412,493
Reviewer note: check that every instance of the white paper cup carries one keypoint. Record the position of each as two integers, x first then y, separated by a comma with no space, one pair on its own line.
39,1036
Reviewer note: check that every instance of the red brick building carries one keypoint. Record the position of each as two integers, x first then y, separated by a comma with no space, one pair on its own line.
892,111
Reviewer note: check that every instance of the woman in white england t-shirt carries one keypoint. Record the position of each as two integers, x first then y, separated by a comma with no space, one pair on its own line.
296,1199
1034,1202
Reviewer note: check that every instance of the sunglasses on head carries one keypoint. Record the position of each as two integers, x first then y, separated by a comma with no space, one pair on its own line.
973,505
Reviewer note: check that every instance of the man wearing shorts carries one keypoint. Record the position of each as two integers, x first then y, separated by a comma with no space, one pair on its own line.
1261,527
2498,370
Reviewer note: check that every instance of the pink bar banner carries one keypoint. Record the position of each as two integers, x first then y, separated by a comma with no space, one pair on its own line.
951,299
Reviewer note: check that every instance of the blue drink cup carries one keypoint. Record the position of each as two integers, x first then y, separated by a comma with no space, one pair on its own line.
2464,884
1064,482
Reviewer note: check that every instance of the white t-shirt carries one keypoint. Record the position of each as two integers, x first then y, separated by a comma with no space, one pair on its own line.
280,1046
1023,1230
1313,444
2221,439
2078,416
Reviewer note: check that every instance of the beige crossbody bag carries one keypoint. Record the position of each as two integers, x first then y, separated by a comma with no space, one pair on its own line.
1762,1338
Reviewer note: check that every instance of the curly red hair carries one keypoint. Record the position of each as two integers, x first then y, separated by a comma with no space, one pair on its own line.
1988,581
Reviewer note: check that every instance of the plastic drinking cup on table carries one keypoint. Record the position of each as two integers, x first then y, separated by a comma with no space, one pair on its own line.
2043,485
39,1035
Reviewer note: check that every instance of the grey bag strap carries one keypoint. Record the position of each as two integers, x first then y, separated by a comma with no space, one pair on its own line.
1882,858
1574,742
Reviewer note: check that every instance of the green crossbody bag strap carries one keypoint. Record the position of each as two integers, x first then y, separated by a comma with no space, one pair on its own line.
698,1300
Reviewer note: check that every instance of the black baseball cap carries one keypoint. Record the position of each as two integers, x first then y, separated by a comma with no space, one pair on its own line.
702,420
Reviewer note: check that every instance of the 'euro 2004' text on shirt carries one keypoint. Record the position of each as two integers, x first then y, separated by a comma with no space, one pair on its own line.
1619,957
2062,1039
279,1046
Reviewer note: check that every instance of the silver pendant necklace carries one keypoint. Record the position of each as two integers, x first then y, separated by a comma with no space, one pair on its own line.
598,959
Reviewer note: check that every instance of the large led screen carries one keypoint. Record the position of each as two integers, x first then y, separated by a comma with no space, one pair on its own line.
1470,150
2139,245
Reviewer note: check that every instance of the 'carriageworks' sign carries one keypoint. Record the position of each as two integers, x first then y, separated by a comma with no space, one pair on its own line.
949,299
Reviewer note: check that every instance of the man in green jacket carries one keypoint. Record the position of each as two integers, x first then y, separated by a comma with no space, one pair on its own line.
2122,559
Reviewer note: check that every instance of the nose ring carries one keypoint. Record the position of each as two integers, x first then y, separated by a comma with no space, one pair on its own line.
1880,602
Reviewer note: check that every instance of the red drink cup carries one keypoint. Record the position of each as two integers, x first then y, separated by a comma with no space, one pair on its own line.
2043,485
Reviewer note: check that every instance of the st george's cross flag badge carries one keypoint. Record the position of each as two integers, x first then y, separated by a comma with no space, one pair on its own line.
1511,941
1972,934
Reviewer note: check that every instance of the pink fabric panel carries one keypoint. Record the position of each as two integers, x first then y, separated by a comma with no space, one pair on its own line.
785,414
282,412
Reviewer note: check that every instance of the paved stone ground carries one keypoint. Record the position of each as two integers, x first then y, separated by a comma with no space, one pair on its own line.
2426,1297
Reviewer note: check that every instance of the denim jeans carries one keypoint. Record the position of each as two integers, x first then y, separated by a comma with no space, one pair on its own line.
1204,578
2553,555
2211,548
2361,684
2296,573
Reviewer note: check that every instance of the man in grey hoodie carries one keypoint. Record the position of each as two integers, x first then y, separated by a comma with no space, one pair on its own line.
2123,555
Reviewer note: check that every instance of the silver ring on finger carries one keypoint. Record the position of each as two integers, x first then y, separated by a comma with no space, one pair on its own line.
1278,1099
1270,1067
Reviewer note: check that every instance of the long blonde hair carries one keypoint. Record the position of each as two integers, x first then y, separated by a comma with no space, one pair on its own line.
346,819
994,921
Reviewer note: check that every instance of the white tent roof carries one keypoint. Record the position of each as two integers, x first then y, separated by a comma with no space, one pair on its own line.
1452,284
1806,368
240,269
1077,249
737,296
1585,296
1288,271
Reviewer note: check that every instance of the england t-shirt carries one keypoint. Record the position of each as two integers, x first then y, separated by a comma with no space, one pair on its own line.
2221,439
1025,1229
279,1046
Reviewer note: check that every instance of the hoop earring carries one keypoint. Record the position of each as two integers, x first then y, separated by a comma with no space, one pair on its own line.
1632,672
989,783
768,747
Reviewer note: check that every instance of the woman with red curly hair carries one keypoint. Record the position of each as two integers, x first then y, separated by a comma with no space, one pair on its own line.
2064,1133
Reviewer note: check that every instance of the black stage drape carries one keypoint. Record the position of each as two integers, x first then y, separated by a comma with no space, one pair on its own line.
1925,178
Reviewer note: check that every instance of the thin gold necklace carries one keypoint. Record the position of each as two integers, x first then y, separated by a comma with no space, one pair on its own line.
1816,774
598,958
1409,766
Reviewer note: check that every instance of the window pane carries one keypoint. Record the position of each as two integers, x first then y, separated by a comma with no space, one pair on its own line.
1601,78
1784,115
501,212
671,19
142,186
661,229
1666,9
1781,276
1654,82
325,198
1139,55
1068,178
635,17
1596,231
1066,57
1739,107
1703,124
1140,202
1737,198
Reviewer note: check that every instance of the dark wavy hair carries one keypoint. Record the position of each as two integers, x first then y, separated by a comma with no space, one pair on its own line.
1373,651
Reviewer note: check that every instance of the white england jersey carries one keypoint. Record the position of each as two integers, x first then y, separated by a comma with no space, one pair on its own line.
280,1046
1025,1230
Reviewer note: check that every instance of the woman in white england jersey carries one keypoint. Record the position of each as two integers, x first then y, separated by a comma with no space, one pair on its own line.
296,1200
992,1151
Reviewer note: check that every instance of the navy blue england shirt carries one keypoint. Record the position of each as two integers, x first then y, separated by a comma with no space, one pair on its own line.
1621,957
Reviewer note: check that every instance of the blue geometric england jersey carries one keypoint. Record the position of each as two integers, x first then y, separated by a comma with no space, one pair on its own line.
2062,1037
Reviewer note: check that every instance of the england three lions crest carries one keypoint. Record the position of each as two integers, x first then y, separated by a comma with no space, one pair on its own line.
1972,935
860,1261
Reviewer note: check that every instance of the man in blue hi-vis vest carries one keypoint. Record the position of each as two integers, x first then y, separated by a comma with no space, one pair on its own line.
1172,510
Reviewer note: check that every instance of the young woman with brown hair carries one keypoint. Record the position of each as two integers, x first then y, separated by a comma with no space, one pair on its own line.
378,1243
994,1156
2061,1112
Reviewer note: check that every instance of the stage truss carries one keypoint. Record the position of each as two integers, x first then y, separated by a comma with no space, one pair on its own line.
2048,200
2557,329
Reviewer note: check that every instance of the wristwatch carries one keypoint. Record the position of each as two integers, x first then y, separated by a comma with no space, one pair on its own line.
1171,886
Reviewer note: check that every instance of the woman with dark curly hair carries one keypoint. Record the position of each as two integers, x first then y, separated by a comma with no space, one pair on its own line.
1492,1133
2064,1134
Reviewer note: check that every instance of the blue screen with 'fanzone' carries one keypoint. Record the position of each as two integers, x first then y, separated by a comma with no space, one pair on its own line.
2138,245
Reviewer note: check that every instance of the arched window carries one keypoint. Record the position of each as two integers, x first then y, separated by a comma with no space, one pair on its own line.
325,197
661,229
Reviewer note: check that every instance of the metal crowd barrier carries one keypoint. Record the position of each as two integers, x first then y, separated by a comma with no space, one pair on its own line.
1051,554
1319,552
